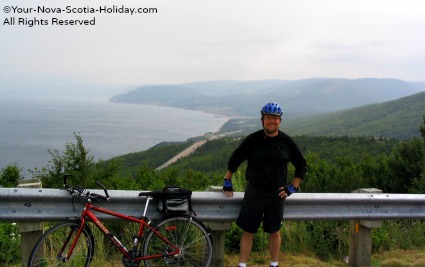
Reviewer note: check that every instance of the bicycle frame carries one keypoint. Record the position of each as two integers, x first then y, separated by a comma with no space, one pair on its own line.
129,254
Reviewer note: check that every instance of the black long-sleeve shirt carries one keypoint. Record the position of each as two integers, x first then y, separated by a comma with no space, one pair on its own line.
268,159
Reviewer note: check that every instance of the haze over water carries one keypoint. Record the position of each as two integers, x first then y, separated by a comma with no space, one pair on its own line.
31,126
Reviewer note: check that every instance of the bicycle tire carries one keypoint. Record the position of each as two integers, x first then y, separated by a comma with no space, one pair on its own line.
189,234
49,249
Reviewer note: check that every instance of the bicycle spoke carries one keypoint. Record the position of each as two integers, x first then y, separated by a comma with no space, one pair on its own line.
188,235
52,247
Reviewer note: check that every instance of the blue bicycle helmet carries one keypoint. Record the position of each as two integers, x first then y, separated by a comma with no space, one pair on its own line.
271,109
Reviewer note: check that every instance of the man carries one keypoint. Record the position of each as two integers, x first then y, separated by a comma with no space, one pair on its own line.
268,152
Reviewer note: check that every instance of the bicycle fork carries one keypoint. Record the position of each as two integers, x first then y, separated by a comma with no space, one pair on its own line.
65,258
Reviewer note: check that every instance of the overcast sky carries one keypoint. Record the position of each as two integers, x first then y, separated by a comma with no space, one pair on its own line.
200,40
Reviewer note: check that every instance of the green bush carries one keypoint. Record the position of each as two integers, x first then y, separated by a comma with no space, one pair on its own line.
232,238
398,234
328,240
294,236
10,244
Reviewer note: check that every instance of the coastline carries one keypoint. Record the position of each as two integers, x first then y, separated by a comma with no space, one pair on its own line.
32,126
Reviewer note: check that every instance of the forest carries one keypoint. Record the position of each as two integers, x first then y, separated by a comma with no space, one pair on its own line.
336,164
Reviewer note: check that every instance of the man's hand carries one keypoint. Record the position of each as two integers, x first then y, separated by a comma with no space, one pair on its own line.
228,187
287,190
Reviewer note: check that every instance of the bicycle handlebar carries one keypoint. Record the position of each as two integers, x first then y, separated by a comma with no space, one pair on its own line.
104,189
80,191
97,196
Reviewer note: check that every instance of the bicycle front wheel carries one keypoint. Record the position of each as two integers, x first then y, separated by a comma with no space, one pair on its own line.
185,232
52,248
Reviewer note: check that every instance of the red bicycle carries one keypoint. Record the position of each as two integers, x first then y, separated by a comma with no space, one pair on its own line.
174,239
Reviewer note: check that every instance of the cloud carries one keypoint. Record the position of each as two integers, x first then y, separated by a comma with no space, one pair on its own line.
190,40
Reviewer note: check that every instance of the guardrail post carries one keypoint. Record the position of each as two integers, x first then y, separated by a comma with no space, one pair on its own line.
360,251
218,235
30,232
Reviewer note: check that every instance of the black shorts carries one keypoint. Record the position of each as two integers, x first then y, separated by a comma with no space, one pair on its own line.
261,206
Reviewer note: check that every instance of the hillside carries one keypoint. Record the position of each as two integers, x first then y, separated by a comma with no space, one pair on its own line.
399,119
244,98
213,156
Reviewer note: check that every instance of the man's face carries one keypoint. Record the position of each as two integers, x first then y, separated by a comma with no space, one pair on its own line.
271,123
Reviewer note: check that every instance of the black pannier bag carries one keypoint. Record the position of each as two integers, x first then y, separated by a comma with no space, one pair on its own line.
175,200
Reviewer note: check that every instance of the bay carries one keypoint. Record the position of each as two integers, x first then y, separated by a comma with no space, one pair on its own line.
31,126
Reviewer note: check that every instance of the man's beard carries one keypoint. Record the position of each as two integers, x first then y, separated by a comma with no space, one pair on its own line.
270,131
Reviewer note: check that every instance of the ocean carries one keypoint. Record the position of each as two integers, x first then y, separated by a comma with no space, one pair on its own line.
31,126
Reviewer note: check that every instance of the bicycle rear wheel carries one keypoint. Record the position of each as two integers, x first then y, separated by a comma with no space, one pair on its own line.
51,248
185,232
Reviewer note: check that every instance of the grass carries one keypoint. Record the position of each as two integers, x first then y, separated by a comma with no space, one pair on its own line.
396,258
287,259
399,258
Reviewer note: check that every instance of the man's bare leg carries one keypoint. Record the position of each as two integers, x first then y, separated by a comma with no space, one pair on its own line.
246,246
274,246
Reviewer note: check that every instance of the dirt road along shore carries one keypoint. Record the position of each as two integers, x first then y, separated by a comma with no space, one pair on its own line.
183,154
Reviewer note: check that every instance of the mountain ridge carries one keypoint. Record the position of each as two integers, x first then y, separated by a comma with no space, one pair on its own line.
237,98
387,108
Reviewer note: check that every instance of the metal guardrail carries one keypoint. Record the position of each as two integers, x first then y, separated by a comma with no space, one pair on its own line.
40,204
